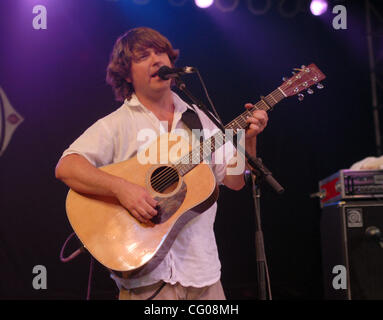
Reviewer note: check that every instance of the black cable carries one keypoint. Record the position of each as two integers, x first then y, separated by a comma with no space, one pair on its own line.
208,97
74,254
90,277
156,292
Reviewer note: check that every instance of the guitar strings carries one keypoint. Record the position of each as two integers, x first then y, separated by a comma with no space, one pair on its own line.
169,175
163,177
171,172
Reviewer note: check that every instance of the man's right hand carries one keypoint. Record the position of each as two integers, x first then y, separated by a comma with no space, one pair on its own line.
137,200
82,176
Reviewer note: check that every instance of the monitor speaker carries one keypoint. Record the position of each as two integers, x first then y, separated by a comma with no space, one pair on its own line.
352,250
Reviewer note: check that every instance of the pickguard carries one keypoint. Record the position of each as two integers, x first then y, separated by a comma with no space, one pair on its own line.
168,205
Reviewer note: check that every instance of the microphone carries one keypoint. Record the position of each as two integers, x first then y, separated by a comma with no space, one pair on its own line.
375,234
165,73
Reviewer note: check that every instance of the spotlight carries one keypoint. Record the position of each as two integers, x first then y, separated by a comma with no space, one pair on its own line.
203,3
318,7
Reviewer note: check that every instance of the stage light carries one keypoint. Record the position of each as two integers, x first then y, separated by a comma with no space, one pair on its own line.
203,3
318,7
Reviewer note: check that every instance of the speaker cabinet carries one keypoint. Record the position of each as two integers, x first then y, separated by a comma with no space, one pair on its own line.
352,261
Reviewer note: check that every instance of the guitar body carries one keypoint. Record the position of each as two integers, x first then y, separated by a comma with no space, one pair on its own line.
118,240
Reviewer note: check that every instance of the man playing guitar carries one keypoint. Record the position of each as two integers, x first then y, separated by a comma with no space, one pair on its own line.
191,268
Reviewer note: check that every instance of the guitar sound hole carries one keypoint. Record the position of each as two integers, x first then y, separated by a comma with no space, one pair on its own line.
164,179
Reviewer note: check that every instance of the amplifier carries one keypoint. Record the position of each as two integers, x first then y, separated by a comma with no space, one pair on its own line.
351,184
352,256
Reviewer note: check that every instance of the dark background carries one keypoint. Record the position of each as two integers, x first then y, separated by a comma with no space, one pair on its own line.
55,79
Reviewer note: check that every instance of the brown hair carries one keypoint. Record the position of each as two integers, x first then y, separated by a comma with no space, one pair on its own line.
125,50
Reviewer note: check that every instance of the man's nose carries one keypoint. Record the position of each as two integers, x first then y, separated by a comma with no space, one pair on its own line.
155,58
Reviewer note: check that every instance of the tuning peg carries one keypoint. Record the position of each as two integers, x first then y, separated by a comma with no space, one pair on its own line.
294,73
320,86
300,96
303,66
310,91
284,79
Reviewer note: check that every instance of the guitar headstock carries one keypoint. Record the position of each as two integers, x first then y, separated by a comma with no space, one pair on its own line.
303,80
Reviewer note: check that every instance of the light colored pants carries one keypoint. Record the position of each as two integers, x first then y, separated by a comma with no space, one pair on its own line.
174,292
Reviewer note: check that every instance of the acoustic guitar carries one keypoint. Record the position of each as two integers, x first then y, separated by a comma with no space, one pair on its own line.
184,187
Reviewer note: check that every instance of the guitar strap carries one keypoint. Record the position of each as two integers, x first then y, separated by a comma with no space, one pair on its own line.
191,119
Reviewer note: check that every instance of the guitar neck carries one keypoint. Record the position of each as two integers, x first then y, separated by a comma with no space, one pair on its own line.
205,149
267,103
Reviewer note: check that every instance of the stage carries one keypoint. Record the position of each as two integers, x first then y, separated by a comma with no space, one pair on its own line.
53,60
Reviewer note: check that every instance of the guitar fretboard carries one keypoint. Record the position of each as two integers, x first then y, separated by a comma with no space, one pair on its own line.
205,149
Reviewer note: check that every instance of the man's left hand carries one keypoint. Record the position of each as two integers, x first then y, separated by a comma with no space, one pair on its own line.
258,122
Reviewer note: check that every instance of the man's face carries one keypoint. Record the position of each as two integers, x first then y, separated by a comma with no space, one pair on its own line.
144,65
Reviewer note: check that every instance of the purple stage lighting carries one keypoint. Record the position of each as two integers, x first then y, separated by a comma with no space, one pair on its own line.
318,7
203,3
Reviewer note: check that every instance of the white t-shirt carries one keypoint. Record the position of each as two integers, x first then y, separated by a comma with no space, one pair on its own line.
193,258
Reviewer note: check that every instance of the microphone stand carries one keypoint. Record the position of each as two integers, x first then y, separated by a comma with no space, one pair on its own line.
260,172
262,269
